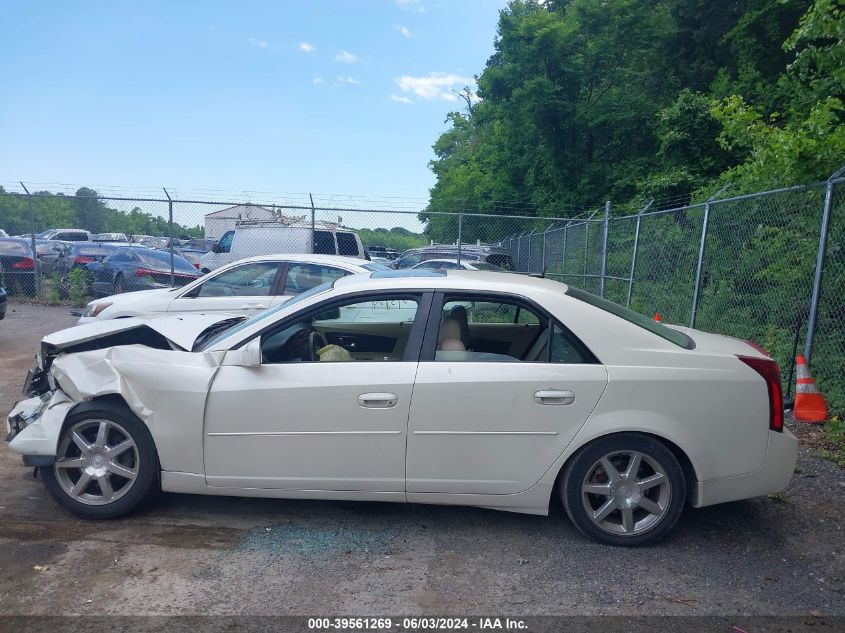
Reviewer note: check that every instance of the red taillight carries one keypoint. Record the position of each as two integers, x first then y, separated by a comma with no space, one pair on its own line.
27,263
83,259
148,272
759,348
196,265
770,372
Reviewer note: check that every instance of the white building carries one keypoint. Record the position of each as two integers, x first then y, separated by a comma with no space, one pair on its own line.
218,222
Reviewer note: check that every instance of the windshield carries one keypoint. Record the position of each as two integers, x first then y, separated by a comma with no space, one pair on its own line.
235,328
673,336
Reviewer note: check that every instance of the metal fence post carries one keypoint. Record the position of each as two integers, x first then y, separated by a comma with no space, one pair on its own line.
817,280
586,246
698,267
460,234
313,221
36,263
605,227
634,254
543,254
563,251
170,225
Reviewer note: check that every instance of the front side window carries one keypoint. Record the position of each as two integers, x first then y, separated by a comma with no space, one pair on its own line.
496,329
249,280
355,331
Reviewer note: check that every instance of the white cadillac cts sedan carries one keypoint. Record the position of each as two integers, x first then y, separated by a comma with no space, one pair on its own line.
469,388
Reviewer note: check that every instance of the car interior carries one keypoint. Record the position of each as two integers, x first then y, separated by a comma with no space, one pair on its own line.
470,330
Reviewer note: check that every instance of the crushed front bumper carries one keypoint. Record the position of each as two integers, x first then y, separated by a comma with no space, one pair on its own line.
34,425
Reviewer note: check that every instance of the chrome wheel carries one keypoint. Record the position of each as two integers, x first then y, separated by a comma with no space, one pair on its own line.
96,462
626,493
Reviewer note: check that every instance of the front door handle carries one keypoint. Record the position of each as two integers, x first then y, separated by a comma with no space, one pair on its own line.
378,400
554,397
253,306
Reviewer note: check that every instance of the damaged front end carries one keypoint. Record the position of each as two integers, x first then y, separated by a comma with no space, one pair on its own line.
78,364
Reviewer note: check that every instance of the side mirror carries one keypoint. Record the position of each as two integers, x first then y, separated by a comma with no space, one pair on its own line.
251,353
216,248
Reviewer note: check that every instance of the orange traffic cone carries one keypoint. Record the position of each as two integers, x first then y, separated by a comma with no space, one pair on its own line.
809,401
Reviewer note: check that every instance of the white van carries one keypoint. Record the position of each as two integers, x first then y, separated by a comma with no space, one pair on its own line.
252,238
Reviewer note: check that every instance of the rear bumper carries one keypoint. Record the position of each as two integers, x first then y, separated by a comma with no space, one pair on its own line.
773,476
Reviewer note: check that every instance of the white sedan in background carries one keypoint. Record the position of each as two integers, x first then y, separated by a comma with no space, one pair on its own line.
498,390
248,286
452,264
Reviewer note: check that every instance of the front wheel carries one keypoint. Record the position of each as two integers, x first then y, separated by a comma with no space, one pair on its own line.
625,489
106,464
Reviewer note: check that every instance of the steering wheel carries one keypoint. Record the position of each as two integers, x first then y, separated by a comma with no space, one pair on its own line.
316,341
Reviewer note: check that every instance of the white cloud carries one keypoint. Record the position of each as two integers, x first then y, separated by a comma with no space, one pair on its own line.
404,30
411,5
400,98
351,81
256,42
305,47
433,86
346,57
317,80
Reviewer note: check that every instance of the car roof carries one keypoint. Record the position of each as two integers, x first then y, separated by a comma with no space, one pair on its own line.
484,280
308,258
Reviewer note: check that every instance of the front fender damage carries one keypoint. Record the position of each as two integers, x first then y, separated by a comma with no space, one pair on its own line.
166,389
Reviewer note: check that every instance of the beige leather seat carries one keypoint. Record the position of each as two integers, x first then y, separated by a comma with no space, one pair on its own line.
449,337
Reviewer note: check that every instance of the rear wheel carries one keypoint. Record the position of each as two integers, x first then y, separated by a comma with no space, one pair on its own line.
625,489
106,464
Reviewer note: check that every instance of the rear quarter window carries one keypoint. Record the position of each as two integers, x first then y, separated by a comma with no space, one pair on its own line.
673,336
347,244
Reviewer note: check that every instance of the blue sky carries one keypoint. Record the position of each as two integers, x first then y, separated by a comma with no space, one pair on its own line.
329,96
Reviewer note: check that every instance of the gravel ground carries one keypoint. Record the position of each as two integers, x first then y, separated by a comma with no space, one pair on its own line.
207,555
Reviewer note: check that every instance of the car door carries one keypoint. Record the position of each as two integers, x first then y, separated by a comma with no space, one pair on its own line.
315,415
248,288
484,421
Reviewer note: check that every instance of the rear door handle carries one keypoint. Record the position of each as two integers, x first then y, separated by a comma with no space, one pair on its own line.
554,397
253,306
378,400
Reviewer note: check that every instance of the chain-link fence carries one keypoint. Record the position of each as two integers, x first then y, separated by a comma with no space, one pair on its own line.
769,267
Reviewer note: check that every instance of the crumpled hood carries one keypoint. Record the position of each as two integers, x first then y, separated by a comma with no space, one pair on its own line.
180,329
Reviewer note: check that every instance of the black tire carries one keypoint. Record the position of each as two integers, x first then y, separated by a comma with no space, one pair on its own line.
119,285
146,484
586,463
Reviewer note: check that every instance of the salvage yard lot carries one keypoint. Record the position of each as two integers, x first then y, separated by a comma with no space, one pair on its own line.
205,555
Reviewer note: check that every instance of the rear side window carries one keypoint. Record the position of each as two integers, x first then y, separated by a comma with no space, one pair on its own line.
673,336
324,243
347,244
